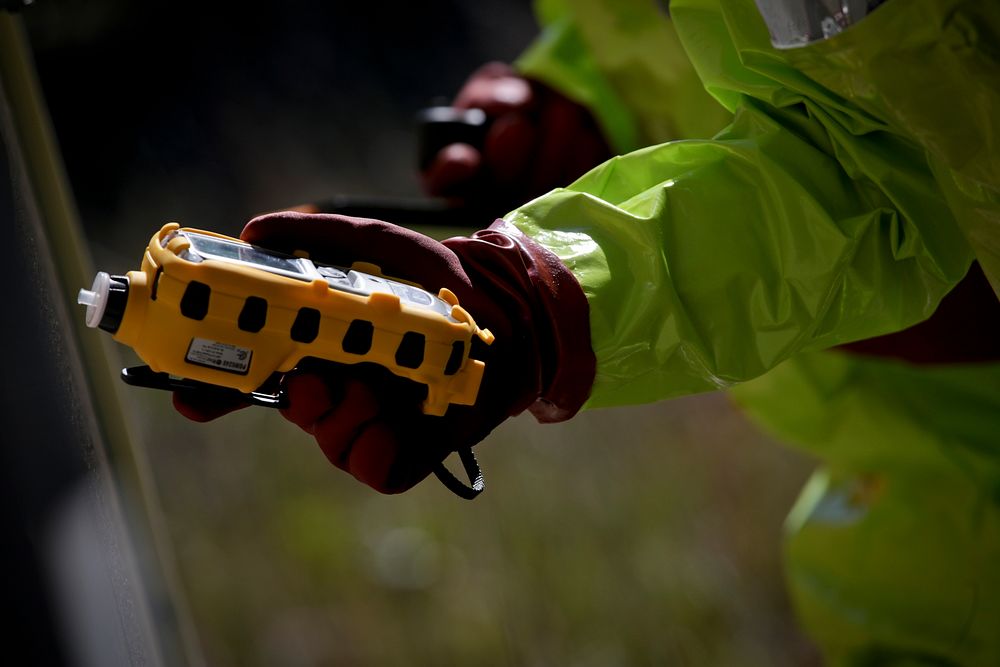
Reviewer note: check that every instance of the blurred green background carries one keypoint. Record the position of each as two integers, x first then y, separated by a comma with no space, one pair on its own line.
636,536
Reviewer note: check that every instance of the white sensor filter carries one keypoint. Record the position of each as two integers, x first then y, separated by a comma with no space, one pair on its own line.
96,298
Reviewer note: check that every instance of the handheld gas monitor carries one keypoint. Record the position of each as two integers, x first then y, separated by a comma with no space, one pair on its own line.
207,309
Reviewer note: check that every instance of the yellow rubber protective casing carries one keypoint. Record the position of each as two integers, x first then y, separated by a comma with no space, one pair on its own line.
214,349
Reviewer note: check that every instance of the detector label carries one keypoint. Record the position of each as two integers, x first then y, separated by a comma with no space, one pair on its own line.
223,356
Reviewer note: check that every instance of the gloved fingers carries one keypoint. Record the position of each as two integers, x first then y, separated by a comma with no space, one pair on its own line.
465,171
496,89
390,457
563,126
537,140
471,172
204,406
340,422
377,442
310,396
343,240
337,428
379,458
509,147
508,160
364,426
452,171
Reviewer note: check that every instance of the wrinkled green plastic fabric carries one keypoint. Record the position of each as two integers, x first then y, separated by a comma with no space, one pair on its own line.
857,181
624,61
894,543
810,221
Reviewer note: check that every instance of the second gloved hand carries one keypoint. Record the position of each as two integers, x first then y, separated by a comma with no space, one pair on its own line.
367,421
536,140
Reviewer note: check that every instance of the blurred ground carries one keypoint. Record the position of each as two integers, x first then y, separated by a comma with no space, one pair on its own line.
640,536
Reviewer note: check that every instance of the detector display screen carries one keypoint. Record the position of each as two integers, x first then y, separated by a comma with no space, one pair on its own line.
209,246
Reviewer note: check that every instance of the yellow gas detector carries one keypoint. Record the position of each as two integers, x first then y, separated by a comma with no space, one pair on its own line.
207,308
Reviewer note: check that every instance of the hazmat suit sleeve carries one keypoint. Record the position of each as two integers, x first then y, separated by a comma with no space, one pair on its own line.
623,61
808,222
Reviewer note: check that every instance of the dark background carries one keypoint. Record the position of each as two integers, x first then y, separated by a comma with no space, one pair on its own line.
185,112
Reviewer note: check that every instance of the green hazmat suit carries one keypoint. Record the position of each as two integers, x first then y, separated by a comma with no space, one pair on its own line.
845,190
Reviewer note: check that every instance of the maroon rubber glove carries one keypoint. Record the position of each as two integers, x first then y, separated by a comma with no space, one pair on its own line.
537,140
368,421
